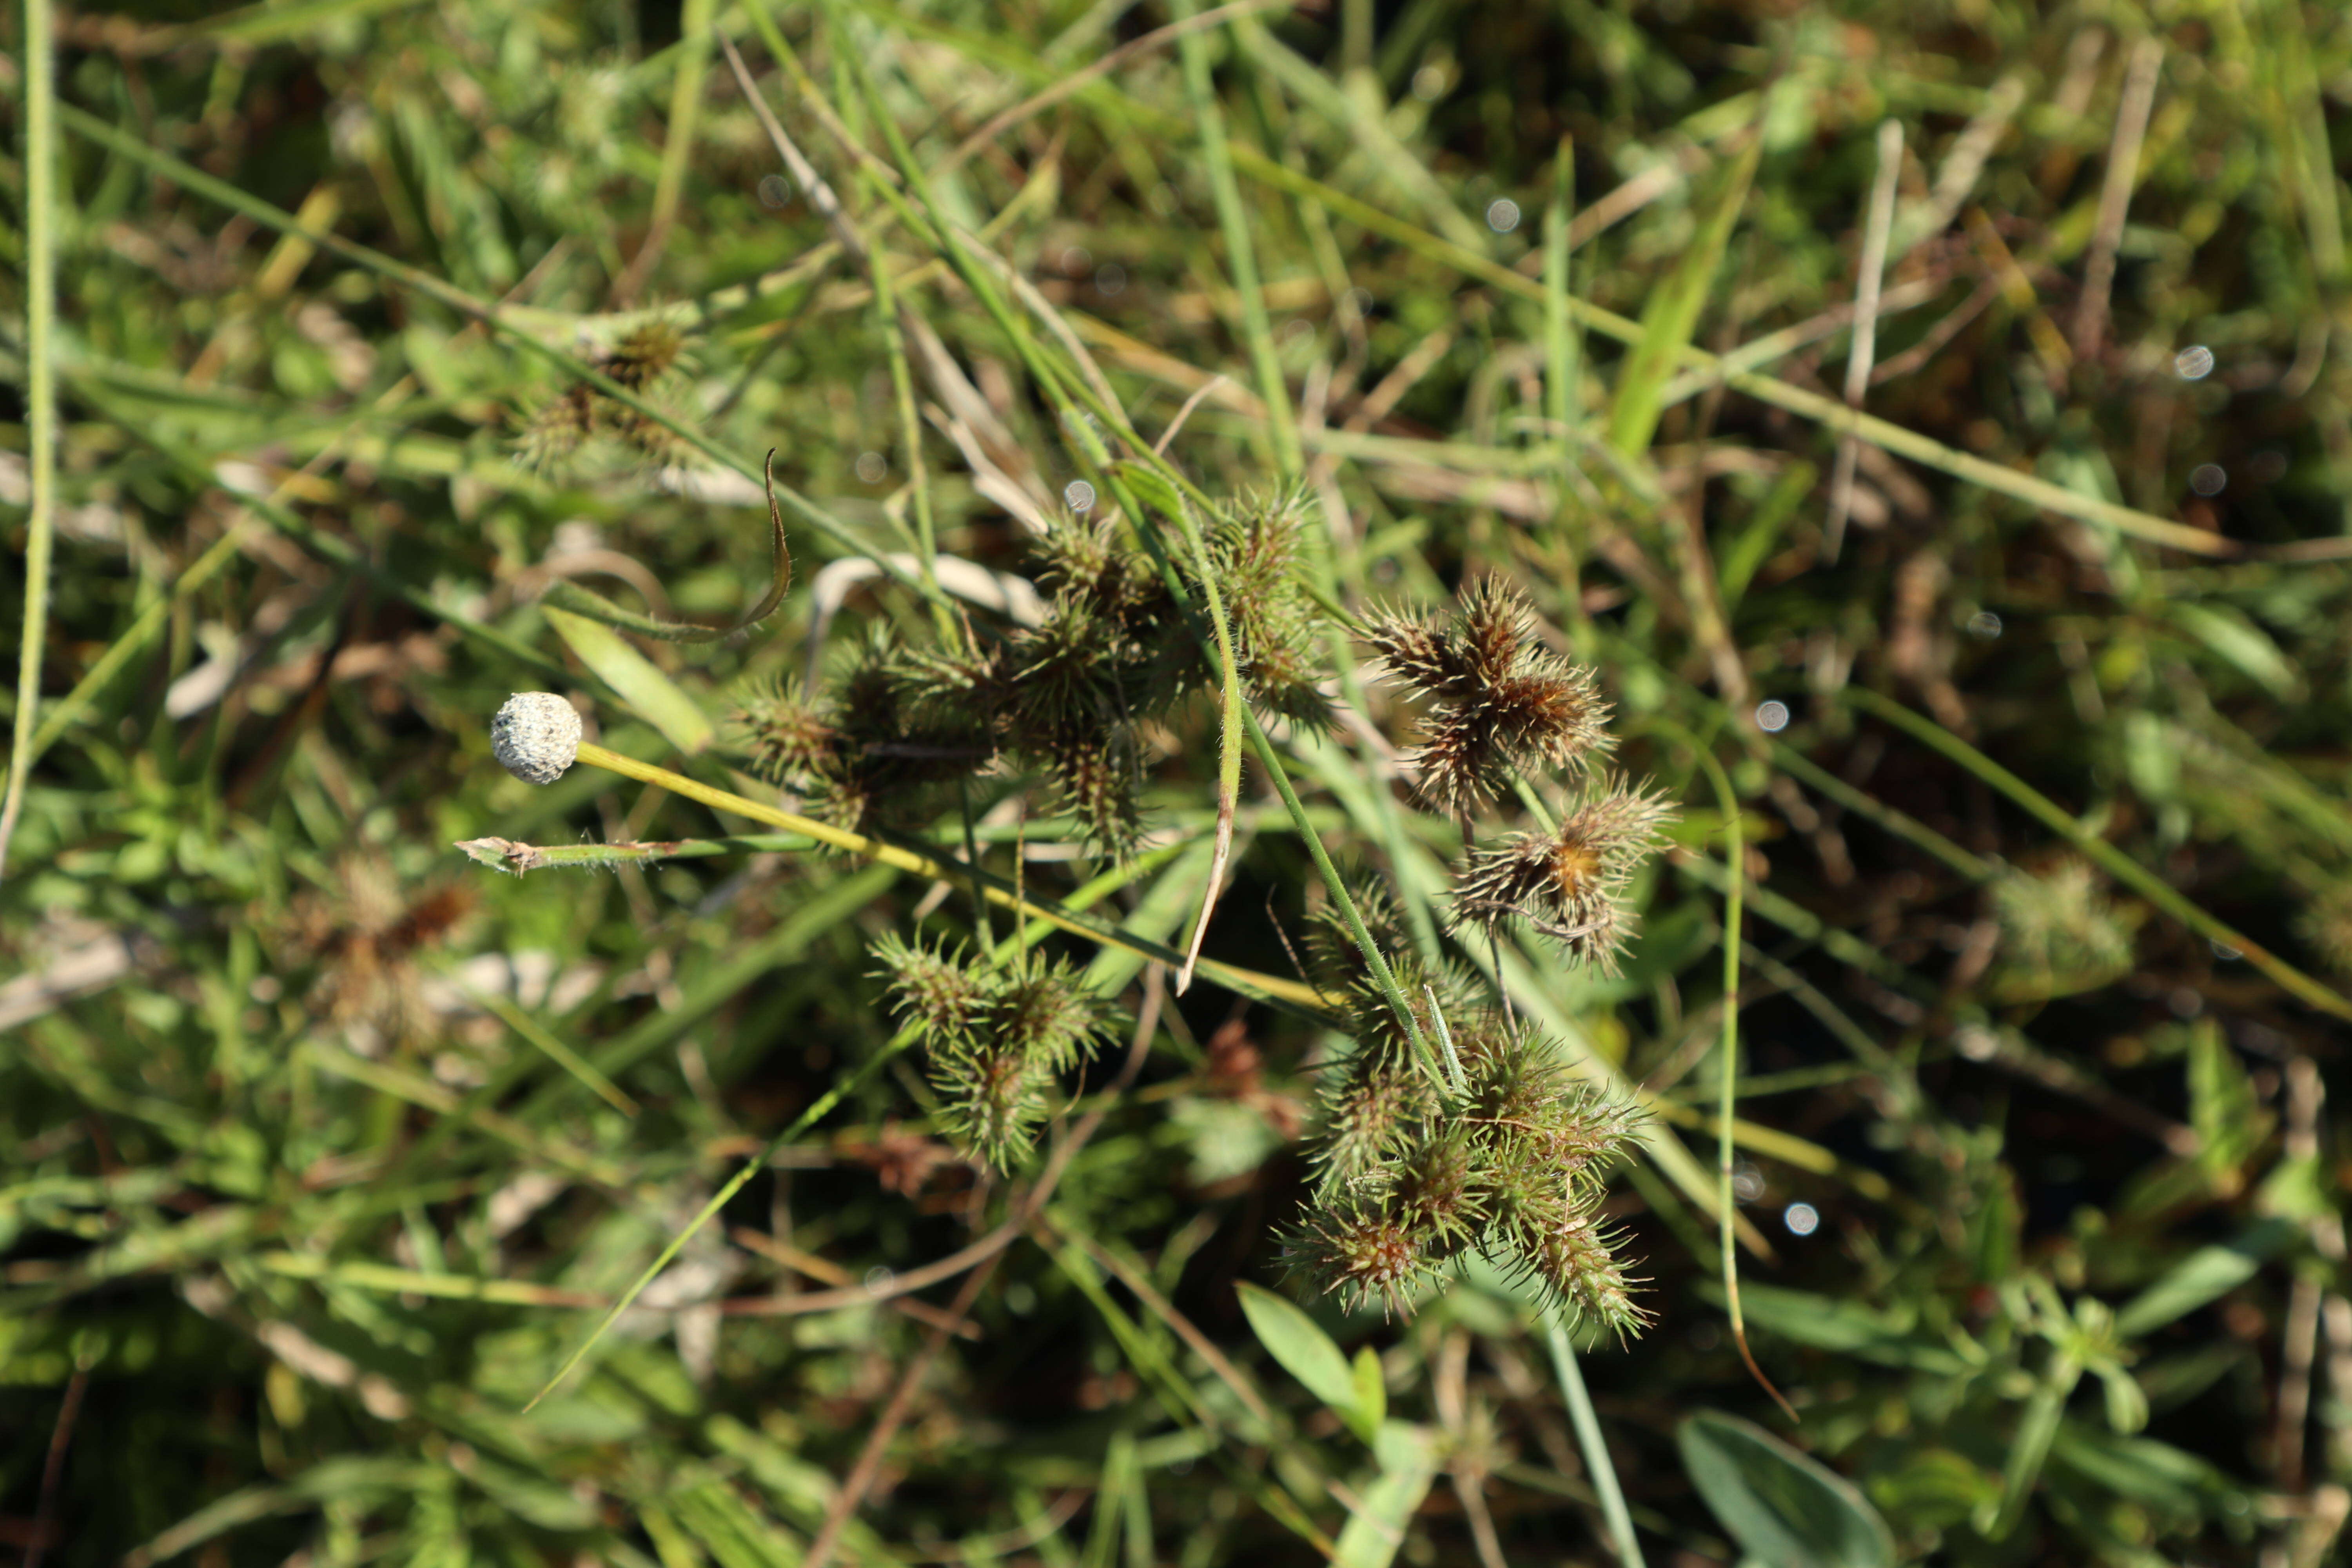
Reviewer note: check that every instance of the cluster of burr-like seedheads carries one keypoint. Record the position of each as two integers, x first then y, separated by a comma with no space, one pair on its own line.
1500,1150
1066,698
1494,1147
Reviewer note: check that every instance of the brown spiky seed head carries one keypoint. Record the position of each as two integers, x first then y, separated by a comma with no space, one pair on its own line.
1502,700
1567,882
536,736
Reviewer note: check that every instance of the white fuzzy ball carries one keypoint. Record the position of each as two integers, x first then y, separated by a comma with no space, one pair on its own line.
536,736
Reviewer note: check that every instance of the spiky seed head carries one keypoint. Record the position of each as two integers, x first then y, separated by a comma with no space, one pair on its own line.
1368,1117
1551,710
644,354
1496,624
558,429
1576,1262
1417,654
1567,882
1502,699
1359,1251
1045,1011
1530,1115
995,1100
1253,548
787,735
1096,779
2328,925
536,736
1336,958
933,987
2059,932
1439,1194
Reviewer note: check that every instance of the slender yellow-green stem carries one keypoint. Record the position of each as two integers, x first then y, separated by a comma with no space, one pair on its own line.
1735,850
1248,982
40,394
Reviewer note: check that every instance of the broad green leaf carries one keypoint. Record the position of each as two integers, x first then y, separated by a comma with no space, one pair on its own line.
1306,1352
2126,1402
657,699
2205,1274
1673,313
2297,1189
2224,1110
1376,1527
1786,1510
734,1535
532,1496
2152,755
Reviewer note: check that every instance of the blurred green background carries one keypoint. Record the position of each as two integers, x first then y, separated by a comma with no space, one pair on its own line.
322,1147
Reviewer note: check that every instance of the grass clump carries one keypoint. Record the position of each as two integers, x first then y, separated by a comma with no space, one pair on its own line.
1218,447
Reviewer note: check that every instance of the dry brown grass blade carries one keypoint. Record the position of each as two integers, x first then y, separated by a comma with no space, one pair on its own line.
2115,193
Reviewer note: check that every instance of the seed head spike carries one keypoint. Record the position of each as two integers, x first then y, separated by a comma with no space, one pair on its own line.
536,736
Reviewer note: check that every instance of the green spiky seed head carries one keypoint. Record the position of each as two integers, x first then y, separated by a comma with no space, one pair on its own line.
1362,1252
644,354
2326,924
1369,1118
1576,1262
1440,1195
933,988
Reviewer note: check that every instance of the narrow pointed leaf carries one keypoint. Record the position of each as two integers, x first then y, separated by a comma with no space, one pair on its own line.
1673,314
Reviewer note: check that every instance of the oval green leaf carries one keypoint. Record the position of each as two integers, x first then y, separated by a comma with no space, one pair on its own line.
1304,1350
1785,1509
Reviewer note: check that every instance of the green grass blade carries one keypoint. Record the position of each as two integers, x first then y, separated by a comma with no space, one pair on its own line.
40,253
816,1111
563,1055
650,694
198,183
1241,253
1560,357
1671,317
1598,1465
2113,861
